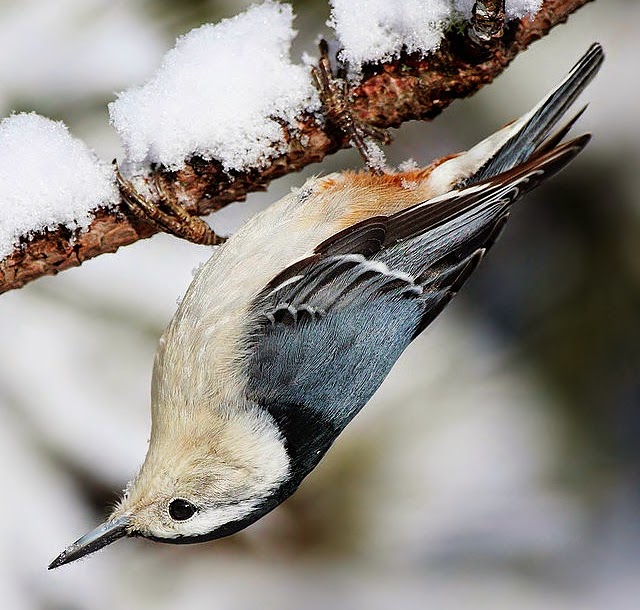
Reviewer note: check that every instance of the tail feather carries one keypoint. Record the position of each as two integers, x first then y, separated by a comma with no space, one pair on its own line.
552,141
503,189
529,132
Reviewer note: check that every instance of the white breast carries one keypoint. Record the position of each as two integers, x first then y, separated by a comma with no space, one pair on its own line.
200,348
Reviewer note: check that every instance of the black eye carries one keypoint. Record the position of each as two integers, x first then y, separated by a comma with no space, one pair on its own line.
181,510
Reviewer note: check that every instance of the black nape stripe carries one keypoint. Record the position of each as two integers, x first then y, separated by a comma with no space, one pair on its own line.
307,435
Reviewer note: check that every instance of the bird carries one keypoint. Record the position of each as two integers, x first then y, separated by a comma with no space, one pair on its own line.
295,321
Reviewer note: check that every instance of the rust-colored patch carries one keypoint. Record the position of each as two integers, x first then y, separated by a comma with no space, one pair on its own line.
370,195
326,184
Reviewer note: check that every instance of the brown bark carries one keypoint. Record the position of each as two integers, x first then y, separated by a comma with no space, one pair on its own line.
389,94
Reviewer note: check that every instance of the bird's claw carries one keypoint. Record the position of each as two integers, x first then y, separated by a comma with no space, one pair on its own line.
165,214
334,96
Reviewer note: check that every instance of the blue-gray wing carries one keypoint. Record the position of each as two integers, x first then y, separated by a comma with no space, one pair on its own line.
327,330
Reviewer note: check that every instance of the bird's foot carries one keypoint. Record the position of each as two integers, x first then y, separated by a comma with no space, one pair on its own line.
336,104
487,23
165,213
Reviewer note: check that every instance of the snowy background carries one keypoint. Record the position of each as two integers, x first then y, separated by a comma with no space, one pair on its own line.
497,467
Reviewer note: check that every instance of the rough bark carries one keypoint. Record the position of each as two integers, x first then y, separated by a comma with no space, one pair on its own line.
389,94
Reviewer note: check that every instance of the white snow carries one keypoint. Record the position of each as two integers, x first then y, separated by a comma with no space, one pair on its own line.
47,178
222,92
378,30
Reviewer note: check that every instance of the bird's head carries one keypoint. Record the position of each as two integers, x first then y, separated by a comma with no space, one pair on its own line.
201,479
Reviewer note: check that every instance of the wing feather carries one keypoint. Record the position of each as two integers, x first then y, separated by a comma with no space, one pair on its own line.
326,331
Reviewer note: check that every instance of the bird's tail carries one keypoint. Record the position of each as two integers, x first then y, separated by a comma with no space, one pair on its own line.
516,142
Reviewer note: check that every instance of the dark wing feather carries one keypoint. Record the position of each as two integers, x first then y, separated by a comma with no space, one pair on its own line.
365,237
543,118
325,332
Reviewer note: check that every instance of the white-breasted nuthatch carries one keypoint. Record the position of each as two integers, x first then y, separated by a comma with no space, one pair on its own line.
294,322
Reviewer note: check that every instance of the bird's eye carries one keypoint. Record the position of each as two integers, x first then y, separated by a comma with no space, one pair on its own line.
181,510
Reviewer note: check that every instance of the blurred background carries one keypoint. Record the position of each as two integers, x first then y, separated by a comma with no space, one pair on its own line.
497,467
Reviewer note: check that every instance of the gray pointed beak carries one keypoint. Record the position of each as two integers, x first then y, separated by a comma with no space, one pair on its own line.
104,534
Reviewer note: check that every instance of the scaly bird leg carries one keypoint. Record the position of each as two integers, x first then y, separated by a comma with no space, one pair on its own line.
175,220
487,22
334,96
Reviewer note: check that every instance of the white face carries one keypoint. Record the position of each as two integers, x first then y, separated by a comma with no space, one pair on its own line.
175,517
193,485
209,520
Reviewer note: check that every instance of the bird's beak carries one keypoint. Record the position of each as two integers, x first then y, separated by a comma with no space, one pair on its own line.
100,537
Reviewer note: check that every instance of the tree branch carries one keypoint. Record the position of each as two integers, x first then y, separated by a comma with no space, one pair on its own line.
389,94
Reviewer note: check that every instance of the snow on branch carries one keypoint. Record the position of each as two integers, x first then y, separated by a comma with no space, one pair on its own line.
379,30
48,178
221,93
228,111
